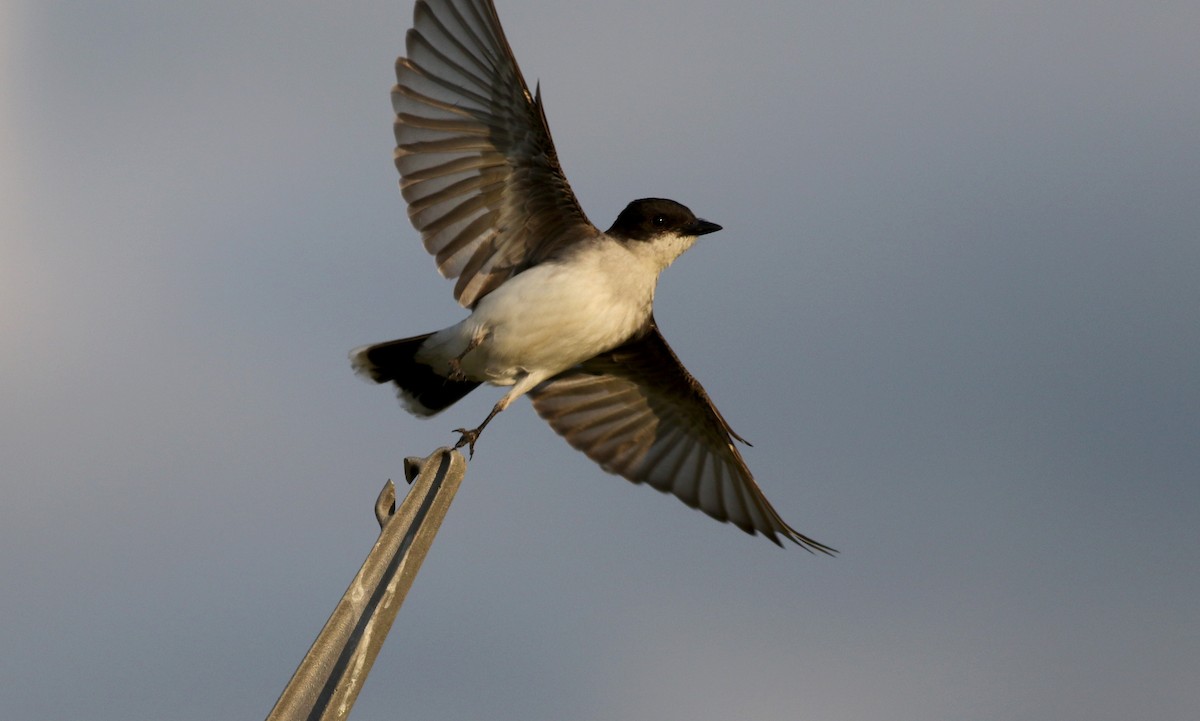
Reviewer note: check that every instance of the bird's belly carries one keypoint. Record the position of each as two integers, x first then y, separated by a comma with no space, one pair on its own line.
546,320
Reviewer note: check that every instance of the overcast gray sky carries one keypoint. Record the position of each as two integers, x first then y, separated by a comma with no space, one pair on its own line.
955,307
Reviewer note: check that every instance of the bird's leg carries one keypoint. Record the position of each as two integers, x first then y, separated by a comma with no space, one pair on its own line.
469,437
455,363
526,382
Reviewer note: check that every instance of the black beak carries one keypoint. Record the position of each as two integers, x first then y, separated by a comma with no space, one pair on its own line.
703,227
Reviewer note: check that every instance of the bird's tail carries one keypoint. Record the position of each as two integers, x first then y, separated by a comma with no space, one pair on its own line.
422,390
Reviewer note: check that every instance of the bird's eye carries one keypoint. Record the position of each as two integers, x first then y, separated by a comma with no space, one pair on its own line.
660,221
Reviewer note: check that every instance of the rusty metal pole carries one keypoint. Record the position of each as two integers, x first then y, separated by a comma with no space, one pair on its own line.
333,671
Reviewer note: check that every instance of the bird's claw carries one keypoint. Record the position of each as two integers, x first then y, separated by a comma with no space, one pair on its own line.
467,439
456,371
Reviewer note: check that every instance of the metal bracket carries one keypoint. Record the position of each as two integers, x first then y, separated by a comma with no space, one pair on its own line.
333,671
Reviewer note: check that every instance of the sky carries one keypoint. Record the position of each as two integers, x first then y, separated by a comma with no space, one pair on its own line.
955,307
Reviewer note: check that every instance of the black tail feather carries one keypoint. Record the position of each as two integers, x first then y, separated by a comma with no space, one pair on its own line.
423,391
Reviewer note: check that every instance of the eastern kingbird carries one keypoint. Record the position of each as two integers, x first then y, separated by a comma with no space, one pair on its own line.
559,310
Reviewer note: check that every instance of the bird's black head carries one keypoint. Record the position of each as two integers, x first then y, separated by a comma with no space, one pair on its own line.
649,218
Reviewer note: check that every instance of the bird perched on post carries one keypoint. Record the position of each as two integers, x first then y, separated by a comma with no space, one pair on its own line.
560,310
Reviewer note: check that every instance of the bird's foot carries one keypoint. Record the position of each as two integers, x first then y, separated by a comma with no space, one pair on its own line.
456,371
467,439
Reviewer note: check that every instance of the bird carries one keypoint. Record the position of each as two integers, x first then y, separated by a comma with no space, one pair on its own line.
560,311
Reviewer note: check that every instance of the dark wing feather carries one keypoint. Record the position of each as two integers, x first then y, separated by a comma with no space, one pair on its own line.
638,413
477,165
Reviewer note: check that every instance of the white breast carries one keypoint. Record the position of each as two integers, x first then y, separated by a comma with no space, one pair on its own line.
555,315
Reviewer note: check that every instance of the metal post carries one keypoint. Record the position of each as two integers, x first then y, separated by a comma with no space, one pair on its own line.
333,671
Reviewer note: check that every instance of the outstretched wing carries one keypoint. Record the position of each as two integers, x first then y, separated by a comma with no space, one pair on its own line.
477,165
637,412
